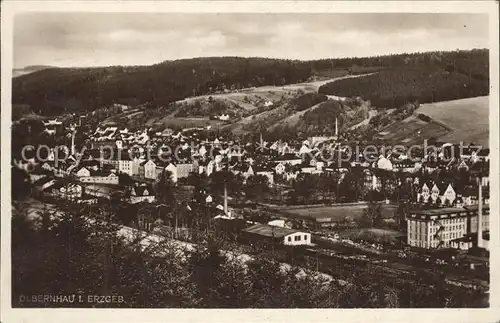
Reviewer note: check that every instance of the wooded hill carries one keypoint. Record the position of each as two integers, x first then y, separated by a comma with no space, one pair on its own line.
427,78
56,90
53,91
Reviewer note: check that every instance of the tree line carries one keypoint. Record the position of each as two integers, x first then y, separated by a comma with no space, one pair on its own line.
56,90
394,88
53,91
61,252
76,257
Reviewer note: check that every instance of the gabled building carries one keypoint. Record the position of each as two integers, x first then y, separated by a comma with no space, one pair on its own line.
125,165
142,193
291,159
66,190
173,170
147,169
43,183
268,234
100,177
83,172
279,168
437,228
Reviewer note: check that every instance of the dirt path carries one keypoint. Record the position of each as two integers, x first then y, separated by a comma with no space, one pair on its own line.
371,114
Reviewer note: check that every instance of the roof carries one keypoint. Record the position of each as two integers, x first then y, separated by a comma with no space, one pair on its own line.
42,181
101,173
139,190
146,161
61,183
287,157
439,211
89,163
269,230
484,152
446,212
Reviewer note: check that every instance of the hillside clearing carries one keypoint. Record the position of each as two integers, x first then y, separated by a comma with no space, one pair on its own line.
294,118
465,120
468,119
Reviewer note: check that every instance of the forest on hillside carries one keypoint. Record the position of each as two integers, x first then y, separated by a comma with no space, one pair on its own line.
307,100
426,78
474,61
54,91
393,88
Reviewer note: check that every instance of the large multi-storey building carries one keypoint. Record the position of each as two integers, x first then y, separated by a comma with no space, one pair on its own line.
436,228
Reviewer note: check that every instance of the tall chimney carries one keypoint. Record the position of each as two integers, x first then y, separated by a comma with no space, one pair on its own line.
480,215
336,128
73,142
225,198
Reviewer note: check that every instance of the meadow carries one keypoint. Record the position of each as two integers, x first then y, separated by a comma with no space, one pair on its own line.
467,118
338,212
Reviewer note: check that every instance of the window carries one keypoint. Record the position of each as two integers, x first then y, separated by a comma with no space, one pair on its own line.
305,237
289,239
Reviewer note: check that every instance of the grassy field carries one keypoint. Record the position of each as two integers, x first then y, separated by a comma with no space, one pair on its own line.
185,122
338,212
412,131
468,119
251,99
465,120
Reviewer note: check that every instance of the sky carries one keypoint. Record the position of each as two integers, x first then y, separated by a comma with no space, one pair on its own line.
103,39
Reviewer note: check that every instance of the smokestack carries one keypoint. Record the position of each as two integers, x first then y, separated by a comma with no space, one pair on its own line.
225,198
480,215
73,143
336,127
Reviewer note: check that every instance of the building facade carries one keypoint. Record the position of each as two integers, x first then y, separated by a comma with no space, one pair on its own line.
436,228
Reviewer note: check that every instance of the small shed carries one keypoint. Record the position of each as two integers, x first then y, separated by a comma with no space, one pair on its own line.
274,234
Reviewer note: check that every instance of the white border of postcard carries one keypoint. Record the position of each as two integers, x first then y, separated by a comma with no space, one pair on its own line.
9,8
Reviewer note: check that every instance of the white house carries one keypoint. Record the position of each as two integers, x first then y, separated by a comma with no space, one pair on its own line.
265,232
449,195
136,165
384,163
100,177
279,168
304,150
434,193
142,193
125,165
268,174
202,151
425,193
224,117
67,190
149,167
83,172
249,172
173,170
119,144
